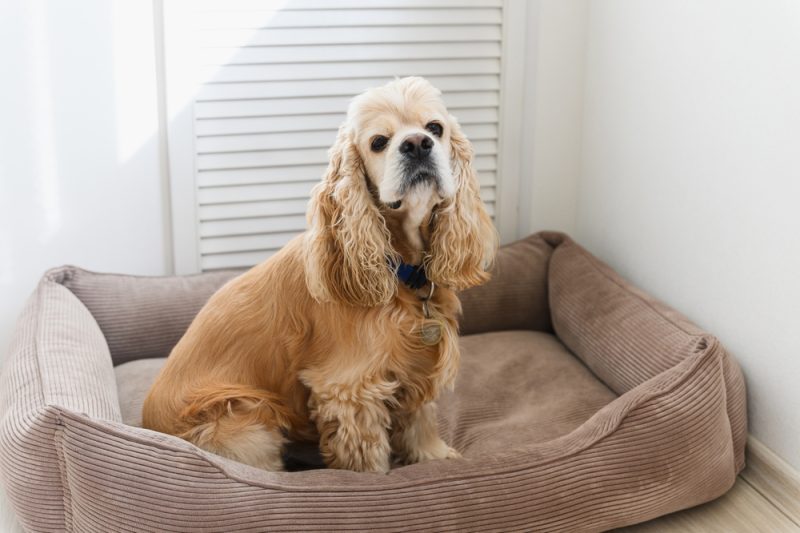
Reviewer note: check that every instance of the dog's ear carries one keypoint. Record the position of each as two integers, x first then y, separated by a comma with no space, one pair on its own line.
347,246
464,240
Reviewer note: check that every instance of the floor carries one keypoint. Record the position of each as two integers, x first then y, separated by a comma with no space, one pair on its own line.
742,510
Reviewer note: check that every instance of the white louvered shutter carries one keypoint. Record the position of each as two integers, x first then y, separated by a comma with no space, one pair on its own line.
271,84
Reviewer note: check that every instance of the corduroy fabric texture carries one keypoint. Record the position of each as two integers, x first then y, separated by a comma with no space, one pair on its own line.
673,438
516,296
141,316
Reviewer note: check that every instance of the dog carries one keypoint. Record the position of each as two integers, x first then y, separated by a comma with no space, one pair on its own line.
348,334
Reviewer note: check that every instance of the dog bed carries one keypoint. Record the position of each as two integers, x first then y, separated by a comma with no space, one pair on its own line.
582,404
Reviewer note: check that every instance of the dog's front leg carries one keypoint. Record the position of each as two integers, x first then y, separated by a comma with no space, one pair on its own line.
353,423
415,437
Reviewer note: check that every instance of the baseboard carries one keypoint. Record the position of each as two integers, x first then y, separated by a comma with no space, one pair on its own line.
771,476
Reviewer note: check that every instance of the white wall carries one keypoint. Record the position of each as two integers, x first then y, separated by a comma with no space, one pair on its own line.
690,180
80,174
553,110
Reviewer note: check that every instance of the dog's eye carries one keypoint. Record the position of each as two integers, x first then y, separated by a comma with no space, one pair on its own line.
435,128
378,143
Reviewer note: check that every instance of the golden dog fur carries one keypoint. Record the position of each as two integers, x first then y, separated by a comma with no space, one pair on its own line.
321,342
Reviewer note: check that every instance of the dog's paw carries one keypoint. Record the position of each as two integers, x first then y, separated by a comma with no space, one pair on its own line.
437,450
452,453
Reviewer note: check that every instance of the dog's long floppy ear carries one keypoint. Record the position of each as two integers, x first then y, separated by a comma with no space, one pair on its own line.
347,246
464,240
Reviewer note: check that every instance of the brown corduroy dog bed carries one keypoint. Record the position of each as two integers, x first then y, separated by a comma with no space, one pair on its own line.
582,404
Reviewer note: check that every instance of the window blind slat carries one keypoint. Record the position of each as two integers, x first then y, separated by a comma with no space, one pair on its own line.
226,178
231,126
283,18
349,35
250,5
226,228
263,141
315,71
250,193
307,156
234,260
245,243
321,105
338,87
253,209
348,52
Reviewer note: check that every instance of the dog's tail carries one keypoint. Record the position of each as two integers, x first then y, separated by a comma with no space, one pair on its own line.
242,423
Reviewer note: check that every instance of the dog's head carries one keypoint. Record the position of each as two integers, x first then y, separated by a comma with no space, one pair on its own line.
398,147
402,133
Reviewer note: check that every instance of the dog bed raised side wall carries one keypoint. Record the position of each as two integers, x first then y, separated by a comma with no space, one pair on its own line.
583,404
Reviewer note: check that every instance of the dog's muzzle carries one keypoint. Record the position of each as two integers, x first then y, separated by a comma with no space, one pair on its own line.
417,162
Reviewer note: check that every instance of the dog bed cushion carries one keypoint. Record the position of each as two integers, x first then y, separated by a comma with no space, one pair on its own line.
492,399
582,405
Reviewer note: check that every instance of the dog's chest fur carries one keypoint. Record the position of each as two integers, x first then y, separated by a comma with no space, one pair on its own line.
421,369
388,358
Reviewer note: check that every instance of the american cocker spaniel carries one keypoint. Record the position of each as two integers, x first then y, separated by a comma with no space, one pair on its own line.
348,334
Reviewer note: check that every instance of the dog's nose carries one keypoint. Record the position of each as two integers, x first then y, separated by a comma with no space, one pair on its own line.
417,145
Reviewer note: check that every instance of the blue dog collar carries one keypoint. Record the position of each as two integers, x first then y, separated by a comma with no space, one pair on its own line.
412,276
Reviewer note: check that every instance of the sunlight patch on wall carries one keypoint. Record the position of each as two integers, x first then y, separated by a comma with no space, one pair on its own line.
188,36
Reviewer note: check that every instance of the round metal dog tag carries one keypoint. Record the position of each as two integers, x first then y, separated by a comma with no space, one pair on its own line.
431,332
